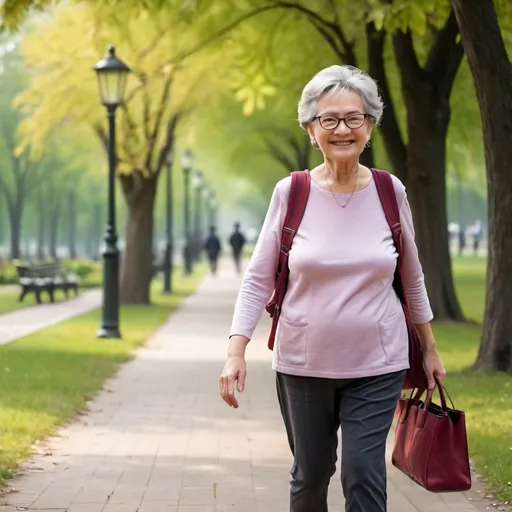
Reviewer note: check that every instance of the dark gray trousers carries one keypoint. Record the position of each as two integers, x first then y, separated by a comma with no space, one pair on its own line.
313,409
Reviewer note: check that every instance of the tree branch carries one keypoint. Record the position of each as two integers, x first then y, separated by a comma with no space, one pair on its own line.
5,189
11,146
390,128
179,57
408,65
276,151
146,113
331,32
100,132
445,56
167,146
131,133
158,121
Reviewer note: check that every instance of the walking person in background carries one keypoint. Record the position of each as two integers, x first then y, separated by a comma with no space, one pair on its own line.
237,242
213,248
341,349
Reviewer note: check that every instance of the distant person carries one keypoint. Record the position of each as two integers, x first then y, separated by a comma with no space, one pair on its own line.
477,236
237,242
462,240
212,247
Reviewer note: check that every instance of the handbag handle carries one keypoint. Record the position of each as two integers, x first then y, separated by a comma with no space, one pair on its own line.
410,401
428,401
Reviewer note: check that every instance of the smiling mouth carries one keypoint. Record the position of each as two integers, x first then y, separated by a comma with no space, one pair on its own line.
342,142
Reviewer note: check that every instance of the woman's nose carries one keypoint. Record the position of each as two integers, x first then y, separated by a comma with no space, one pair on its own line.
342,128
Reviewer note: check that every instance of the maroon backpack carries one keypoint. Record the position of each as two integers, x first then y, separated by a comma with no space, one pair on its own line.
297,201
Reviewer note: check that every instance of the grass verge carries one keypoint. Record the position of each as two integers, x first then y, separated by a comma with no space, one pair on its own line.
9,299
47,377
485,397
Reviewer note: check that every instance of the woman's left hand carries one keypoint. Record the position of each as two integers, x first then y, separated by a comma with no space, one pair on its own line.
433,366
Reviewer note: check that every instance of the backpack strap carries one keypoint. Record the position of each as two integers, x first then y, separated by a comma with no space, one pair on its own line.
387,196
415,377
297,201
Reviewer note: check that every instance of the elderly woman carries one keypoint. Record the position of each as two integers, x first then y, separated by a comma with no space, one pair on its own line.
342,346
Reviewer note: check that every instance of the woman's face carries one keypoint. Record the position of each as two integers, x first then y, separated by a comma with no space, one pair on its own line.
343,142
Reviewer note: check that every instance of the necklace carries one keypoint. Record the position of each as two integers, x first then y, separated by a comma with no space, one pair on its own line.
351,195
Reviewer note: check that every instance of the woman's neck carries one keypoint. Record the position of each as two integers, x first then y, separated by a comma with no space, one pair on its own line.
341,173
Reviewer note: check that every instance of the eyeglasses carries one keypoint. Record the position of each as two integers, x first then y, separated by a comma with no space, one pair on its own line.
352,121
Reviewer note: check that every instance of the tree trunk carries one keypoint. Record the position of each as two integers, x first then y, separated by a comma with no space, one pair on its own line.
137,260
54,230
428,119
389,128
492,73
41,229
367,157
15,218
426,91
72,226
96,231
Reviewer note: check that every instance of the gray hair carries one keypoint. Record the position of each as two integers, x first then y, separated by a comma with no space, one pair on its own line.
335,79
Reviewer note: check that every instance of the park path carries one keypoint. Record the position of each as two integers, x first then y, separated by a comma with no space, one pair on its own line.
25,321
158,438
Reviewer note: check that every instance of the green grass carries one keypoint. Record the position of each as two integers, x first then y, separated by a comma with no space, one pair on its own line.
46,378
9,301
486,398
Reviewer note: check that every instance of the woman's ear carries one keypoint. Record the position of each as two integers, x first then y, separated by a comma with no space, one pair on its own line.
371,126
311,134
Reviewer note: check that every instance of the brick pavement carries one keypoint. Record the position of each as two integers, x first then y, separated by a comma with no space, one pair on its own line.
25,321
159,439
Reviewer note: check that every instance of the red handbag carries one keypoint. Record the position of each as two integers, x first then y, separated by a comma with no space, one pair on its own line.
431,443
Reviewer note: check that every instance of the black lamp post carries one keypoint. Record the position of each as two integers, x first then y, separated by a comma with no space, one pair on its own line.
112,74
198,186
169,227
186,163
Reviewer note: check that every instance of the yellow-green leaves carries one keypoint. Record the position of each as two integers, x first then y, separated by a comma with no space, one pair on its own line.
254,95
403,15
62,50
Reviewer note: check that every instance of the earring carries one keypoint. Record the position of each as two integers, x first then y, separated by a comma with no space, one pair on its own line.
314,143
368,143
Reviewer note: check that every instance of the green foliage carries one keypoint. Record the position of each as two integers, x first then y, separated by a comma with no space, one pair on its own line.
8,274
162,84
486,398
13,12
415,15
82,268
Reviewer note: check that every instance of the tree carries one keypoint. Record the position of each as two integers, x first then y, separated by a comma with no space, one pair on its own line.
160,94
18,175
427,53
492,73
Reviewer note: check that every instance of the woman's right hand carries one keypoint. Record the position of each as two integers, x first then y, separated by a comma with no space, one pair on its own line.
235,370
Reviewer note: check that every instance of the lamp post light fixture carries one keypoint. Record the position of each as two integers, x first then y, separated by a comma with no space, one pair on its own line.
112,75
186,163
169,227
198,184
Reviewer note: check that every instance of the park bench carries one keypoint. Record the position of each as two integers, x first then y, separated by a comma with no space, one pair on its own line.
47,277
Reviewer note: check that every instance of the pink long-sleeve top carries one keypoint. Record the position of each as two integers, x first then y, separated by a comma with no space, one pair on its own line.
341,317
